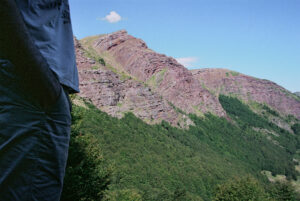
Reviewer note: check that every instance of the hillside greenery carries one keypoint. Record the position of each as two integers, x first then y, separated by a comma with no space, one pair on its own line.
127,159
246,188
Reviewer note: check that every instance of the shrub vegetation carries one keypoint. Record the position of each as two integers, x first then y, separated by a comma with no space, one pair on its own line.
127,159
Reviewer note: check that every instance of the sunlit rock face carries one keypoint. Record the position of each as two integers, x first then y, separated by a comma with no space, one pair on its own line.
249,89
163,74
117,95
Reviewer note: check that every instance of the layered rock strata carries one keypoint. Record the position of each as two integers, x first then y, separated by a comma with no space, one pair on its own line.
116,96
249,89
163,74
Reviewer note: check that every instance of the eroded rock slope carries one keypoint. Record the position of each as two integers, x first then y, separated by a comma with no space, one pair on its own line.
249,89
116,95
163,74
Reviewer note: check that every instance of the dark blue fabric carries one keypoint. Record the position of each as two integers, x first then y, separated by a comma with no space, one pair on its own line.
49,24
33,143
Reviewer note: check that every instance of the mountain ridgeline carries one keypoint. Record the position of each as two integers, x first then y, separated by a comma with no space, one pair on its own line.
146,128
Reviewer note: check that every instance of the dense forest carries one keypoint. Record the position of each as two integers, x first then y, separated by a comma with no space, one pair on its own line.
215,159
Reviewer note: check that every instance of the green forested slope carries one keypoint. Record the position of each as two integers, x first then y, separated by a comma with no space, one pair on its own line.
127,159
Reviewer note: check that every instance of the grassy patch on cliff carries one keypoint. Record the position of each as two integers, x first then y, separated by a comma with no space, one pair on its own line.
103,59
156,79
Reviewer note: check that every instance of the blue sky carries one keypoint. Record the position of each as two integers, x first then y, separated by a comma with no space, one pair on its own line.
260,38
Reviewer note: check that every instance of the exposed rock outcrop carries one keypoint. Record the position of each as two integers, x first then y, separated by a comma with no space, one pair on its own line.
249,88
163,74
105,89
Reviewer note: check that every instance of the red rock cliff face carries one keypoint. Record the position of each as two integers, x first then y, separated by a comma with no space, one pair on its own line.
249,88
116,96
164,74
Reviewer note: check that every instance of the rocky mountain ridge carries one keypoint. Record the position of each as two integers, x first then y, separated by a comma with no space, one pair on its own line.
116,95
119,73
163,74
247,88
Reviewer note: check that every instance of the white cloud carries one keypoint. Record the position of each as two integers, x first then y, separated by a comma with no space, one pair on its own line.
187,61
112,17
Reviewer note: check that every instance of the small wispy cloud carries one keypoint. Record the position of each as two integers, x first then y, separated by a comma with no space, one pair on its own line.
187,61
112,17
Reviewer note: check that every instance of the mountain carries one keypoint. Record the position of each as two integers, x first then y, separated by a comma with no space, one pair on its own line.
297,93
146,128
125,75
